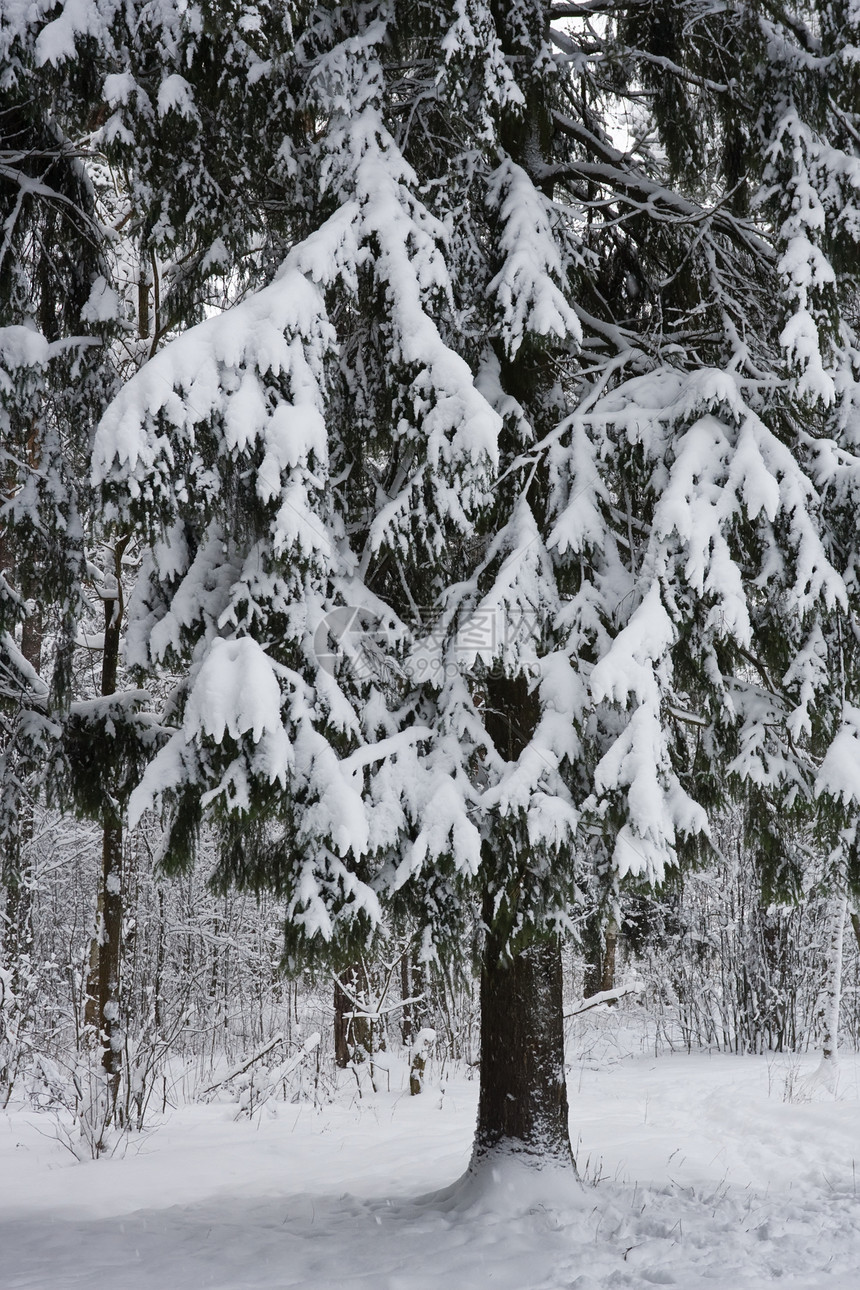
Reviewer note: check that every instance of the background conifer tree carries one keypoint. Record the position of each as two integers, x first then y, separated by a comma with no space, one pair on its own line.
58,312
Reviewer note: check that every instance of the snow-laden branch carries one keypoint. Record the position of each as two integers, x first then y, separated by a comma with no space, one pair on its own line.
606,996
284,1070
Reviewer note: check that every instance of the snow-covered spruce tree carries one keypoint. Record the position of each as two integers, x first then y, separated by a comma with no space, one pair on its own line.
62,321
505,530
69,254
57,313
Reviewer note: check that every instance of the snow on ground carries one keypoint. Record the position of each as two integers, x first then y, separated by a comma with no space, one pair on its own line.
698,1174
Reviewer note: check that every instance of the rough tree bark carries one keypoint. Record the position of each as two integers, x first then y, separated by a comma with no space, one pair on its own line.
522,1107
110,892
353,1038
342,1006
16,863
600,944
19,876
610,946
407,1029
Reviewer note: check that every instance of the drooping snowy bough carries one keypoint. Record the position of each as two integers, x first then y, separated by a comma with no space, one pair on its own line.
508,527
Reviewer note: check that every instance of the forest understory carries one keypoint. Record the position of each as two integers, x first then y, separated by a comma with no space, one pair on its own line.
209,1013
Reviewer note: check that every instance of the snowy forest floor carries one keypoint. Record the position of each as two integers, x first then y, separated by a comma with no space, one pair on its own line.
699,1171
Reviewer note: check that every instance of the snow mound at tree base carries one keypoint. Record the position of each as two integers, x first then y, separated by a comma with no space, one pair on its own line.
509,1183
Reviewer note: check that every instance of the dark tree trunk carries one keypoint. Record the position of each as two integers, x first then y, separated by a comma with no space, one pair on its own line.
610,945
406,1027
17,866
353,1035
92,1011
855,923
15,863
19,898
109,955
342,1006
523,1107
159,965
592,948
110,895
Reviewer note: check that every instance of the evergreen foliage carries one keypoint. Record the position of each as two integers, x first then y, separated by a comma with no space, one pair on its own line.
564,417
58,316
507,528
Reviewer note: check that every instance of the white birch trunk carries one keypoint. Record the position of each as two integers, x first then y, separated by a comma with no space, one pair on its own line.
832,996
